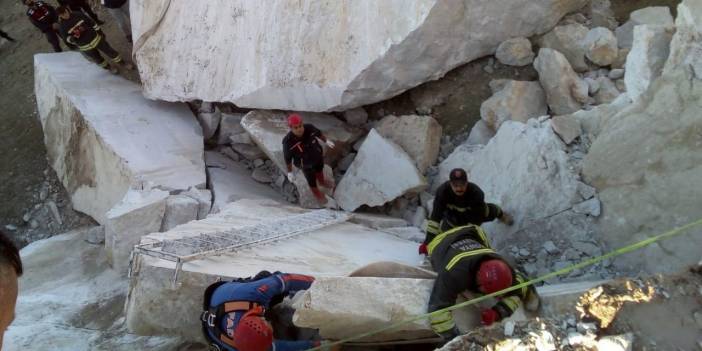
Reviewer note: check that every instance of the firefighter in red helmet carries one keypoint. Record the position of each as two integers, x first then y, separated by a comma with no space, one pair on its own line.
464,261
301,147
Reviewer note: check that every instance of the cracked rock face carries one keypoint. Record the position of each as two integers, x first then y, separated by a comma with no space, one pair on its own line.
103,140
319,56
381,172
646,161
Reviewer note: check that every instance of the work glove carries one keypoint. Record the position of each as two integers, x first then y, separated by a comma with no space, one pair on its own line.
489,316
423,249
506,218
291,177
330,144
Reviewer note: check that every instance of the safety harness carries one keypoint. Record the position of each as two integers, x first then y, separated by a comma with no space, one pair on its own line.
210,319
210,316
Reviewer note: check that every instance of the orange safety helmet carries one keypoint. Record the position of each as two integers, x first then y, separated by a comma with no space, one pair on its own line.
294,119
493,275
253,332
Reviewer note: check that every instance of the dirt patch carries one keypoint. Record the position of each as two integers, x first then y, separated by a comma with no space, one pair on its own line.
622,8
455,99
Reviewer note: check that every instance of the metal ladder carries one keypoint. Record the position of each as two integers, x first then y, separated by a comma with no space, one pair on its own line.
217,243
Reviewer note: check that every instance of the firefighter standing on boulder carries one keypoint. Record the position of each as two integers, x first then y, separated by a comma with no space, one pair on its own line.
43,16
233,317
459,202
81,31
301,147
464,261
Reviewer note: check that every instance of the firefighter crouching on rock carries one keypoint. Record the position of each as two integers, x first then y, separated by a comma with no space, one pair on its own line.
79,30
459,202
301,148
233,317
464,261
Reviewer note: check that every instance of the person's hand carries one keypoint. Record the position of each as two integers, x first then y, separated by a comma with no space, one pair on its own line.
330,144
423,249
506,218
489,316
291,177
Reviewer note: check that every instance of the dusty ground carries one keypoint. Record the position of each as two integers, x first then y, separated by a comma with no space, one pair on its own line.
24,170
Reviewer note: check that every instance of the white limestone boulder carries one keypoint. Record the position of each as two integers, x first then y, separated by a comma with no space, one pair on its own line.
209,121
607,92
230,181
600,46
203,198
179,209
229,125
139,213
480,134
517,101
568,40
381,172
602,15
647,161
649,51
524,169
567,127
686,46
385,301
565,90
155,307
103,137
515,52
319,56
419,136
268,128
653,15
356,117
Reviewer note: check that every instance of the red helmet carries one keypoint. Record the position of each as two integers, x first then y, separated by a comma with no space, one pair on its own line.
294,119
253,333
493,275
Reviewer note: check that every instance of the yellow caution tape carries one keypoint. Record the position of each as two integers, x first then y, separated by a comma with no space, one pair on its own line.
585,263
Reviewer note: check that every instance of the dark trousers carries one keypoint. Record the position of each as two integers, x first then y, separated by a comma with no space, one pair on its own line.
53,40
105,48
314,173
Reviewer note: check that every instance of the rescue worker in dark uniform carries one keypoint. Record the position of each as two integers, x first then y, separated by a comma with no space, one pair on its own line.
43,16
233,319
301,147
464,261
82,32
82,6
459,202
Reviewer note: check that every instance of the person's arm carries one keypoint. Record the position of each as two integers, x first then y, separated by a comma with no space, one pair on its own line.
293,283
437,212
315,132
